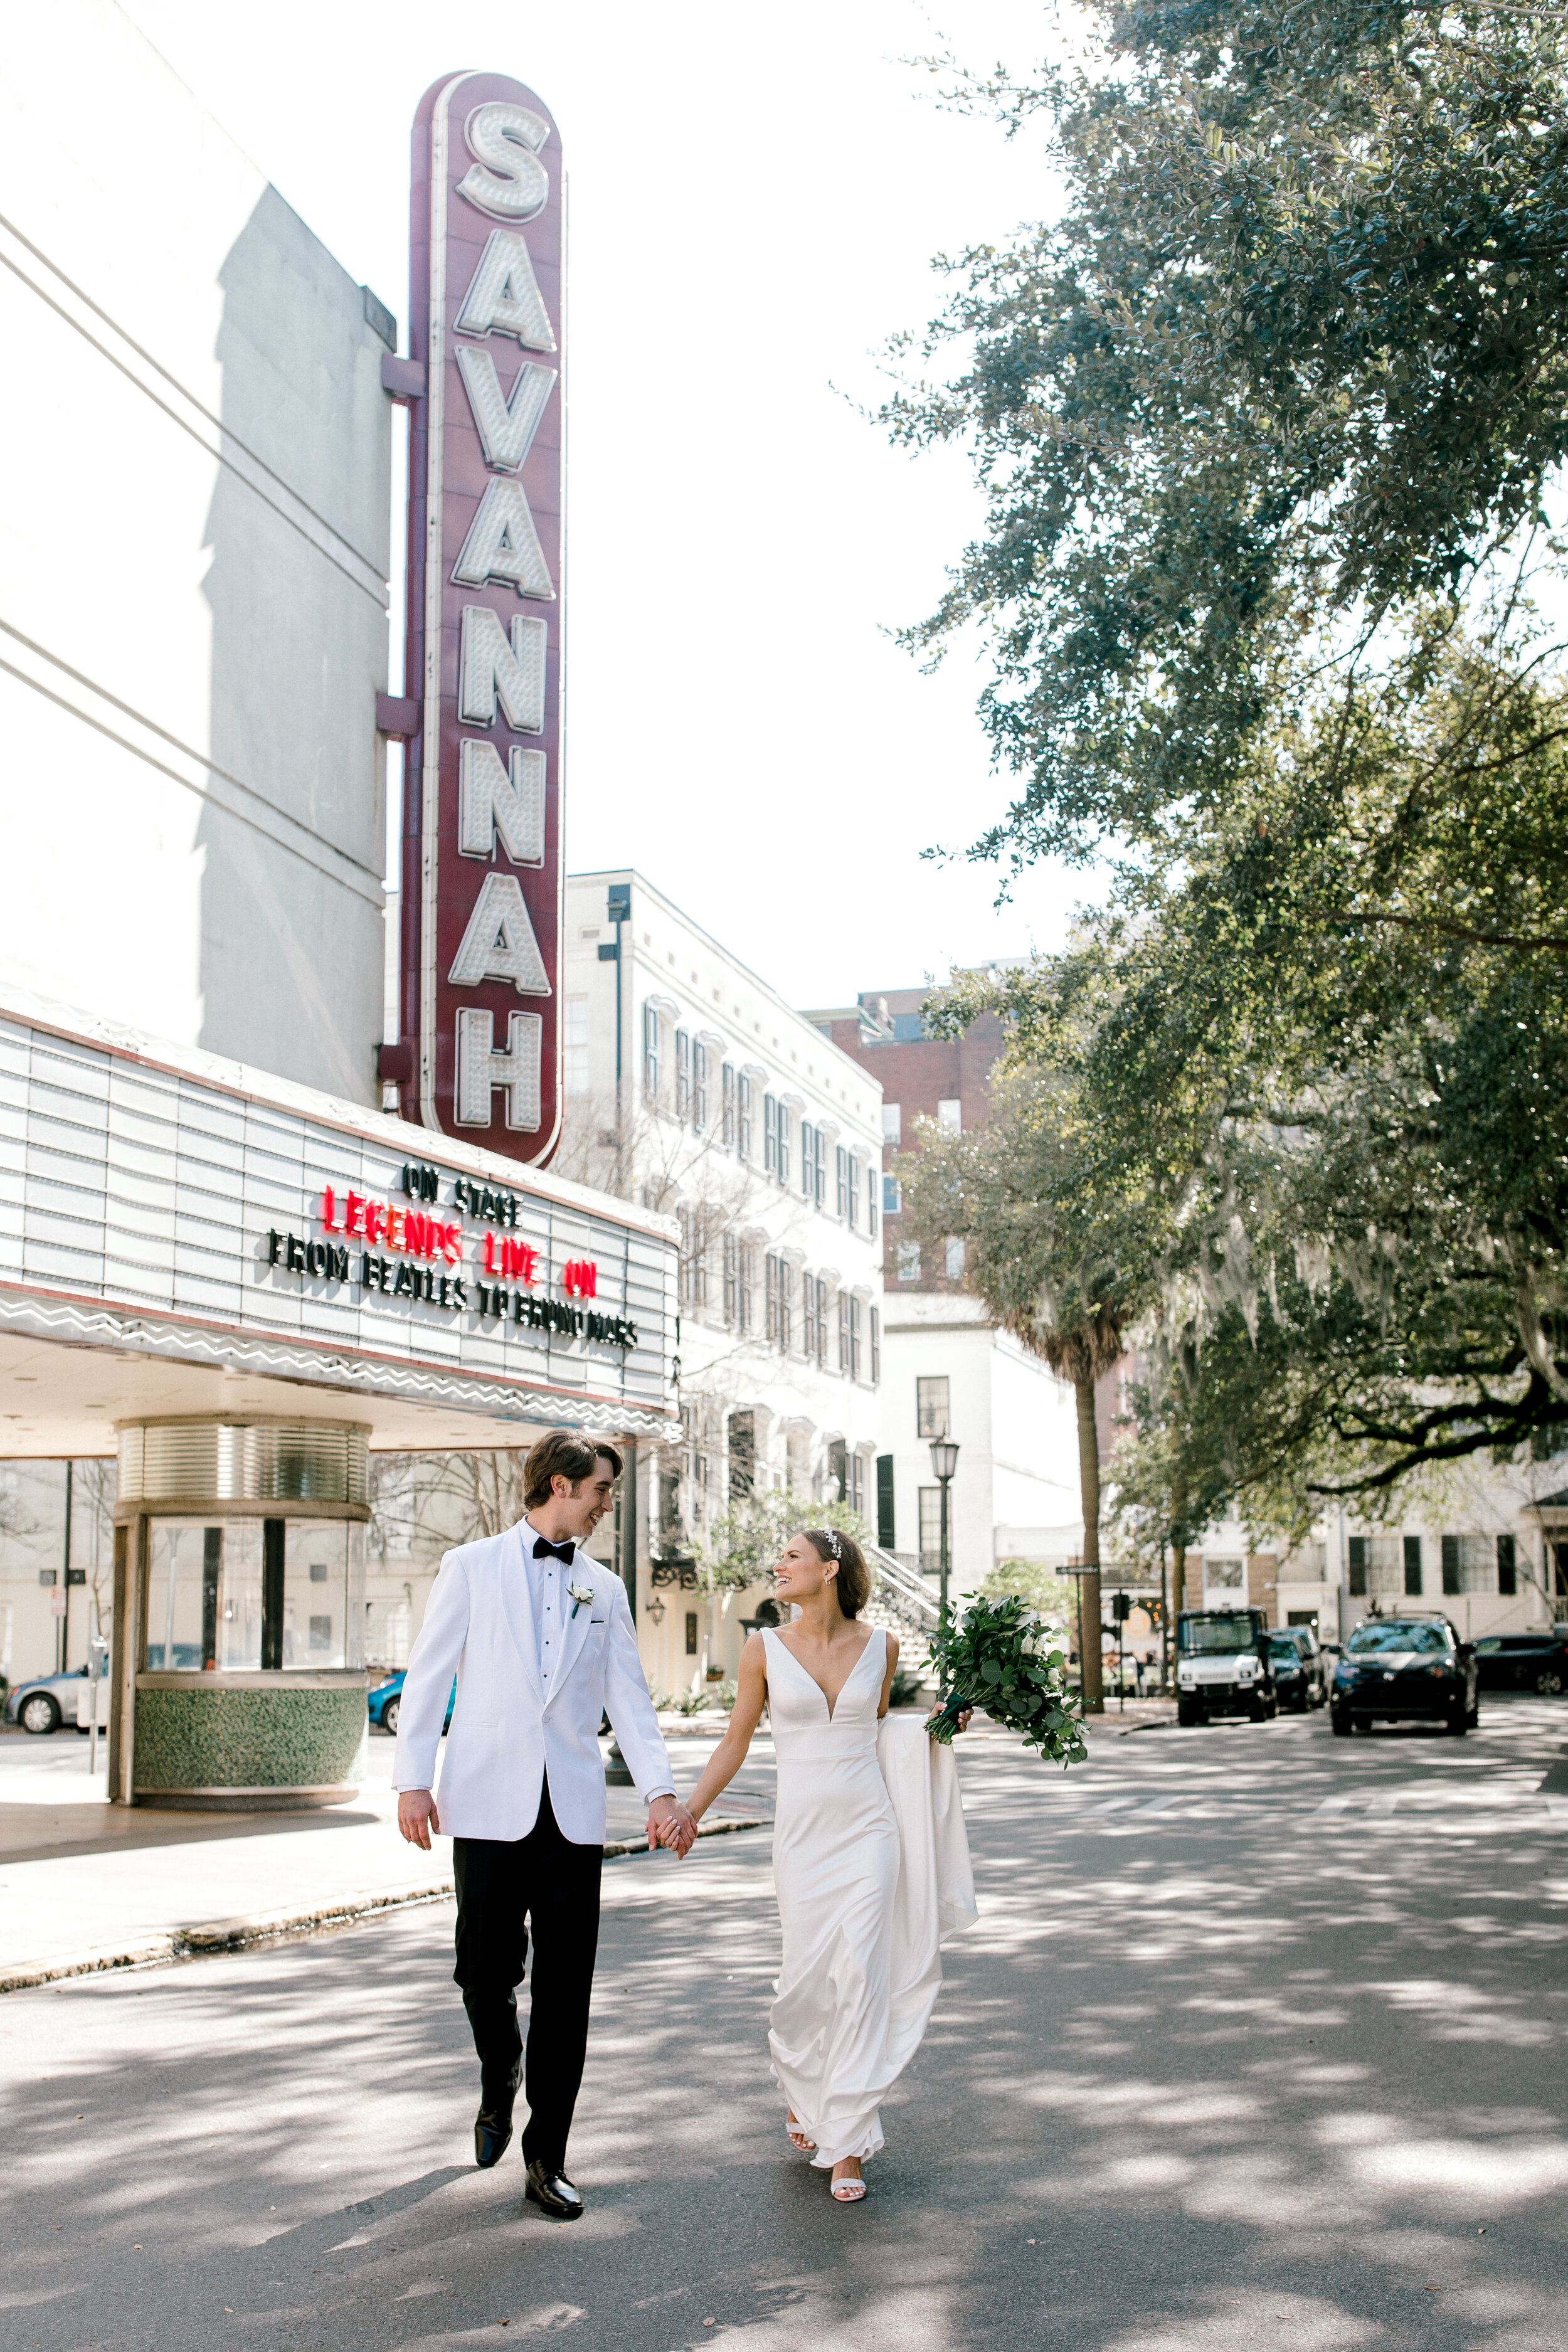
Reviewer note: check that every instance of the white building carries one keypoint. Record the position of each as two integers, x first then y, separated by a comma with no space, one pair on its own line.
1487,1544
195,541
730,1112
947,1373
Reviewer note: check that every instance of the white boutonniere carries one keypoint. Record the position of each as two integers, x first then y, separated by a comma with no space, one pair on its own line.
580,1593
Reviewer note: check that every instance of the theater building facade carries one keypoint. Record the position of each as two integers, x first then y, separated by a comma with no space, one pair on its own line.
252,1235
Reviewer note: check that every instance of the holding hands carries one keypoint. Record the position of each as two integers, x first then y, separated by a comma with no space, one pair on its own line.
669,1824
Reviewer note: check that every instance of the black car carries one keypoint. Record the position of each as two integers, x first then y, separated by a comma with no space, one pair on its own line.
1299,1676
1532,1662
1405,1669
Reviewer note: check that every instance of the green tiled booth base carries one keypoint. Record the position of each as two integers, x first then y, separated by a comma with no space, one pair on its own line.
249,1741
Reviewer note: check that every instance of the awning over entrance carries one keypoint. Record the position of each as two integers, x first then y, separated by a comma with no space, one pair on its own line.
180,1235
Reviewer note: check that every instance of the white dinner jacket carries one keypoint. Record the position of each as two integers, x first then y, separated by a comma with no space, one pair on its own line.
505,1734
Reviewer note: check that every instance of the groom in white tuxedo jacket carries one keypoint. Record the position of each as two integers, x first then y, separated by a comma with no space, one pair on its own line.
541,1639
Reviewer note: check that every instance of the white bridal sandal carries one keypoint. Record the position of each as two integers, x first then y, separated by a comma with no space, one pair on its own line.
848,2191
797,2138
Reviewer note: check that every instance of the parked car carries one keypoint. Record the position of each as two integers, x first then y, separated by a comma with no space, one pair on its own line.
1299,1679
1223,1665
43,1702
384,1702
1409,1669
1533,1662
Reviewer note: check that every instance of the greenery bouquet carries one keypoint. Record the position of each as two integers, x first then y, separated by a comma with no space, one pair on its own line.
999,1653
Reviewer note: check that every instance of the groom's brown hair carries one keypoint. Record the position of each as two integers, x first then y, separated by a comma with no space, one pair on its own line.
562,1453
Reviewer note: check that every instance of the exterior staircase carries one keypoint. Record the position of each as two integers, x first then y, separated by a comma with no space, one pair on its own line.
902,1602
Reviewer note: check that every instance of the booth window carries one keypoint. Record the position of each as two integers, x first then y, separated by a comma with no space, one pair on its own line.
254,1594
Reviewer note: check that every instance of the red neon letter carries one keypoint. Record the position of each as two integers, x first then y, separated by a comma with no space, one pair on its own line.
327,1223
352,1210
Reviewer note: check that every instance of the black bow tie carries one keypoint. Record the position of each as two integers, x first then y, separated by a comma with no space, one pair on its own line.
545,1549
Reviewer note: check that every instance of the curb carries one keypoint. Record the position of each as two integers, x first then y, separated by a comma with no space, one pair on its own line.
257,1927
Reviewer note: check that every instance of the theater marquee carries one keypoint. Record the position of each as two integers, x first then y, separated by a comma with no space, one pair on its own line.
482,894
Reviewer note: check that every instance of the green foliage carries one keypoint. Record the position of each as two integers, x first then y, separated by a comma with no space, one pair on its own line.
744,1544
1295,356
703,1700
997,1654
1061,1234
1052,1598
1264,425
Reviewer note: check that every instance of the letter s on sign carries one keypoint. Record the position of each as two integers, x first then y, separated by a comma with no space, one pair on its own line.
507,180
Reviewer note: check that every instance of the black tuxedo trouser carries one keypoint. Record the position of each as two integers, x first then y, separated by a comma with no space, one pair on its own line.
504,1887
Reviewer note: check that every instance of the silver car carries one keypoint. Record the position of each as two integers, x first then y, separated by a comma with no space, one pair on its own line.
43,1702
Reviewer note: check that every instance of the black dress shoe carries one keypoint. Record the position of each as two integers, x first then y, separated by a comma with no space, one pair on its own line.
554,2193
492,2135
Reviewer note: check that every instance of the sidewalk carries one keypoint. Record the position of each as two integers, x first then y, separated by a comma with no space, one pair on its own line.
86,1885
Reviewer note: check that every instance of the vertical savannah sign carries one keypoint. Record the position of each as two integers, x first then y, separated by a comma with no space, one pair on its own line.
482,882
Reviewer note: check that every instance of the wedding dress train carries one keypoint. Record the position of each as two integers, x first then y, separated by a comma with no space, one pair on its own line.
871,1868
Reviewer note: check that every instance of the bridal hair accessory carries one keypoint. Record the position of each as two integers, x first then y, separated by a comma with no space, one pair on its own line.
580,1593
832,1534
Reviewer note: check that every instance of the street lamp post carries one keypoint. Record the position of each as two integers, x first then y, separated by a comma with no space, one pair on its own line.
943,1464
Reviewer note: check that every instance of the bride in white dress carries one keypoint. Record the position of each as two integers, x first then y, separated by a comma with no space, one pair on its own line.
869,1858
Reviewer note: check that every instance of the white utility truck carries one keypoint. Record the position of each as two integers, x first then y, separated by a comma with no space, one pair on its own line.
1223,1665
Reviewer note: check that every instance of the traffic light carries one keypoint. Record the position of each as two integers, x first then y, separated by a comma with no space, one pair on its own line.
1121,1607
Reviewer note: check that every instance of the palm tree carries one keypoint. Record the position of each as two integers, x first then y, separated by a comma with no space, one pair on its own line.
1059,1247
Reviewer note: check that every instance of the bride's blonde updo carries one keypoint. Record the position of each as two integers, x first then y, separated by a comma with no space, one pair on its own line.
834,1549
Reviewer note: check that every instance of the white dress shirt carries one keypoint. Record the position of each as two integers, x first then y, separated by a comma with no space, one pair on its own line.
551,1598
551,1580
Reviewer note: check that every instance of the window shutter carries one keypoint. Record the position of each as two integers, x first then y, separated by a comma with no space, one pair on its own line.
885,1534
770,1135
1506,1565
876,1345
1412,1564
1451,1579
1358,1563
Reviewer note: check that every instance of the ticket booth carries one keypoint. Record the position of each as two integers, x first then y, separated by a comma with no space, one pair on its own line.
239,1681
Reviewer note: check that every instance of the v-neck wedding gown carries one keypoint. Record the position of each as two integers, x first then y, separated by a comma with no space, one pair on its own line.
870,1864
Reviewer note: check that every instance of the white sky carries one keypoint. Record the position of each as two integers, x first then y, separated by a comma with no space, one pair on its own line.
756,195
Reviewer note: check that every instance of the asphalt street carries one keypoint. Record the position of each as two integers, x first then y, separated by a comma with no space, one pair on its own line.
1258,2041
